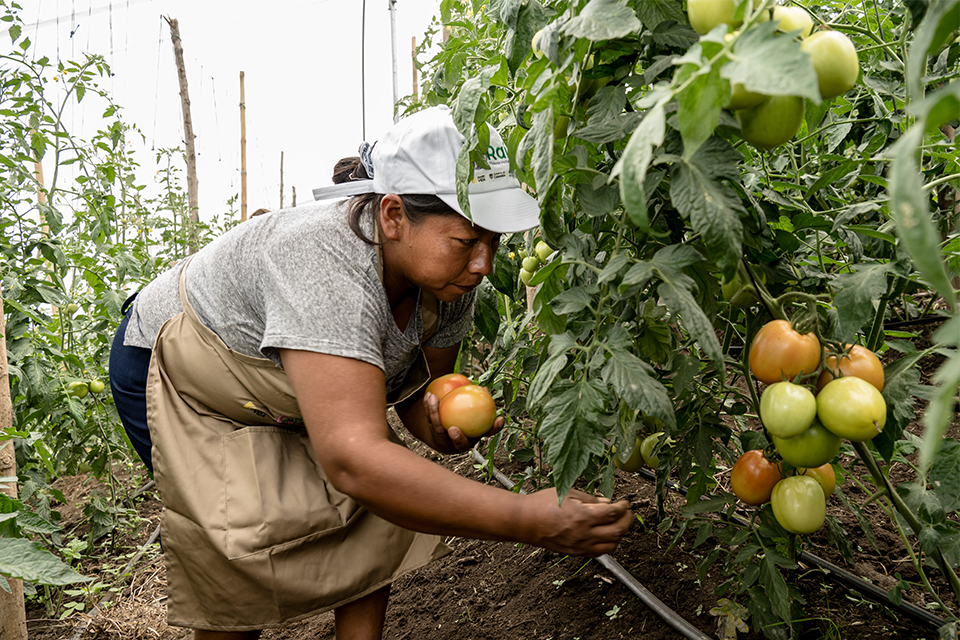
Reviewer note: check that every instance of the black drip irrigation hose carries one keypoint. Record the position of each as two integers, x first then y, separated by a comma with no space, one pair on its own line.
837,573
668,615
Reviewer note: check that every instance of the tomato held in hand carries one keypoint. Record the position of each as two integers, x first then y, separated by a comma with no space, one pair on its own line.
445,384
471,408
812,448
787,409
852,408
859,362
826,476
778,352
798,504
753,478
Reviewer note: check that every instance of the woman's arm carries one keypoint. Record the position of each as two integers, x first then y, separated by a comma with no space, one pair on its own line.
344,406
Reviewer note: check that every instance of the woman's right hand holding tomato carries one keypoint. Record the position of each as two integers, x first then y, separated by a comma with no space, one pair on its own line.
582,525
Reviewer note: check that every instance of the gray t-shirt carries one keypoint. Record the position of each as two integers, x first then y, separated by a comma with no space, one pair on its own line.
296,279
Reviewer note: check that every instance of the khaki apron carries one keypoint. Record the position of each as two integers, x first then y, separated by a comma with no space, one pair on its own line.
253,534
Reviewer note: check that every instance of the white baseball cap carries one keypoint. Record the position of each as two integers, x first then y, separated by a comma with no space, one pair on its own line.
418,155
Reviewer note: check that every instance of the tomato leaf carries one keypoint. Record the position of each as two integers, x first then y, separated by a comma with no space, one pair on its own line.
945,475
26,560
680,302
572,430
767,63
855,301
776,587
698,109
632,166
699,191
633,380
603,20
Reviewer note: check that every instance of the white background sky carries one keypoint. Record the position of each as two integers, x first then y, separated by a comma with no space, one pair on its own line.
303,92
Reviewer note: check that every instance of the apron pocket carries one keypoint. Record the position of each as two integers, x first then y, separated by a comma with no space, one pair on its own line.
276,492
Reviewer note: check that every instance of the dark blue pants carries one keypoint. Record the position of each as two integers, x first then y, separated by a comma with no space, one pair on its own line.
128,381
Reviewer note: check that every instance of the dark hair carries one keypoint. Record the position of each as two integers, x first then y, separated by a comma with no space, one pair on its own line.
416,207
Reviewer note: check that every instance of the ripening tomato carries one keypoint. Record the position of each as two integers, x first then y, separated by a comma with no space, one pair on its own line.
471,408
798,504
825,475
787,409
77,389
793,19
772,122
835,60
812,448
445,384
859,362
753,478
778,352
852,408
634,462
706,14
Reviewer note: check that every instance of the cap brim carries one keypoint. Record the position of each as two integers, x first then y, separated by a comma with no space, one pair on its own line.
501,211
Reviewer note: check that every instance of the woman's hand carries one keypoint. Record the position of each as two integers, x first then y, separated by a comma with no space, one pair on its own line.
583,525
452,438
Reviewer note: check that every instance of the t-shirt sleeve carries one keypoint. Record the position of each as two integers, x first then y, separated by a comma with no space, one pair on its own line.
455,321
318,299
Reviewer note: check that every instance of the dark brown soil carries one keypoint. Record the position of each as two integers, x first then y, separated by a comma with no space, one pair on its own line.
487,590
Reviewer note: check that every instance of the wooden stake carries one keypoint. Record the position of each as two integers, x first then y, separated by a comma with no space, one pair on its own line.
281,179
192,197
294,197
243,153
13,618
413,58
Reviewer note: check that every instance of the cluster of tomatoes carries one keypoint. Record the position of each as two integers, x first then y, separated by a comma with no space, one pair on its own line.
464,404
530,264
806,429
79,388
769,121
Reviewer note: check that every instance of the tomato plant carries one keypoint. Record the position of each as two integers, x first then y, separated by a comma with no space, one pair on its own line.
753,478
469,407
787,409
778,352
858,362
798,504
812,448
852,408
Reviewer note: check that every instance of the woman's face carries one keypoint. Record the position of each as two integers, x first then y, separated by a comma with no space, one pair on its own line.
445,255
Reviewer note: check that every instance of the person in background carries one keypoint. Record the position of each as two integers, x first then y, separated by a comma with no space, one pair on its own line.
254,378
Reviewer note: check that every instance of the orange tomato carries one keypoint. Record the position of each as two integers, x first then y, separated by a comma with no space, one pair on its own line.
471,408
753,478
778,352
445,384
859,362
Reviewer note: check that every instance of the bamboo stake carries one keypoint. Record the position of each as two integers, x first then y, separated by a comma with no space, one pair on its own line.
13,618
413,59
192,188
243,153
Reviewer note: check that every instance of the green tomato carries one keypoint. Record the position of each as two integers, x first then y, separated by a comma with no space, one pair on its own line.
560,127
787,409
793,19
740,98
648,445
77,389
526,276
706,14
772,122
798,504
835,60
535,44
634,462
72,308
812,448
852,408
96,385
543,251
531,264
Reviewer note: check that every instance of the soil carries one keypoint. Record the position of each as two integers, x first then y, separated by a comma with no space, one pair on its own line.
487,590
